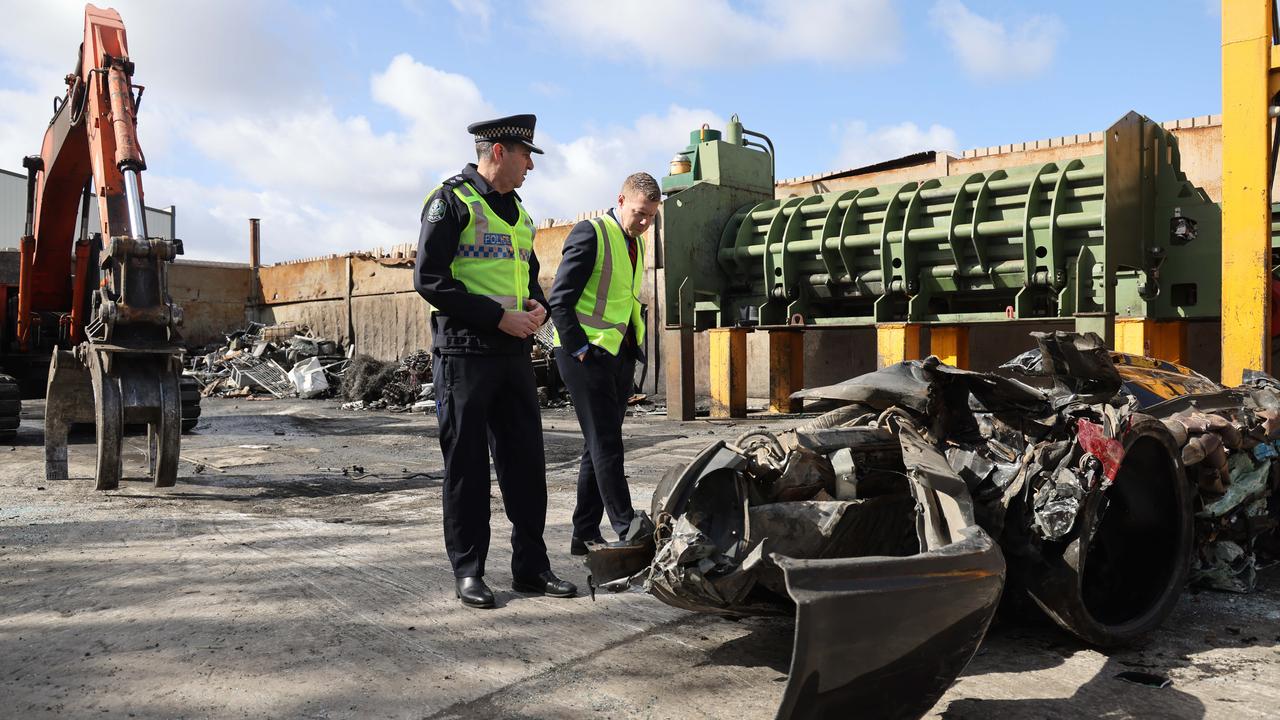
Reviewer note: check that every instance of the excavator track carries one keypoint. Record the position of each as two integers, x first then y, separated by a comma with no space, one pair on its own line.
189,389
10,408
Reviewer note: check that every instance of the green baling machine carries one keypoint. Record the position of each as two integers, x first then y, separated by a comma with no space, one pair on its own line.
1121,234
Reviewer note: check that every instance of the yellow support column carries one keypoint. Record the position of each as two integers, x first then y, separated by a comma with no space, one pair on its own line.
951,344
1247,80
728,372
677,357
786,368
1169,341
896,342
1160,339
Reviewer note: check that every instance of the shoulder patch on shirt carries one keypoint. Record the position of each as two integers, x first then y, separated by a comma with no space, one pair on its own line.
436,210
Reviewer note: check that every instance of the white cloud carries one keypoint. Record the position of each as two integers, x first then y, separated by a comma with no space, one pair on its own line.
20,134
437,103
860,145
478,10
201,57
585,173
213,222
547,89
234,125
714,32
989,50
328,184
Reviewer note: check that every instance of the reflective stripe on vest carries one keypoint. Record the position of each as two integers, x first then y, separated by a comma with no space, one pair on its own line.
492,258
610,301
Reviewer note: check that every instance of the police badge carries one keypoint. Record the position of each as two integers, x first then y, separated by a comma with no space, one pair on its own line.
436,210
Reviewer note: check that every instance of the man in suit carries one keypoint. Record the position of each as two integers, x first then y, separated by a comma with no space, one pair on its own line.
600,330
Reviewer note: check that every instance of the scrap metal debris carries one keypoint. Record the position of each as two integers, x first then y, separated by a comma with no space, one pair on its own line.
372,384
405,386
1108,480
262,358
287,360
267,374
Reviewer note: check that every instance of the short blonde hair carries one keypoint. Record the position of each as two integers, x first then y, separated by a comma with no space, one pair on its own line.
642,183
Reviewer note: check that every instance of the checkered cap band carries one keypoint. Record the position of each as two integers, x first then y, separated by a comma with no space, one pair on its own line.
505,131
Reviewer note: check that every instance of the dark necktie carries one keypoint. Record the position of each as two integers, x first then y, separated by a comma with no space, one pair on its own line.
631,251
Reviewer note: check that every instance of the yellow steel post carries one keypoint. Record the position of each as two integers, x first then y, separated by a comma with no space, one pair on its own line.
951,344
896,342
786,368
728,353
1248,83
1161,339
1131,335
1169,341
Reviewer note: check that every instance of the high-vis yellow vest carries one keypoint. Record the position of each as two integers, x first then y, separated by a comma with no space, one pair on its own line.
611,299
493,256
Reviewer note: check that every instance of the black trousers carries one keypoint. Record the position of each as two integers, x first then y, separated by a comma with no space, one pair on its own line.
489,404
600,386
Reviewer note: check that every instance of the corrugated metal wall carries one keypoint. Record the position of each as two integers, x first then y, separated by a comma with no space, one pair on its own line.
13,212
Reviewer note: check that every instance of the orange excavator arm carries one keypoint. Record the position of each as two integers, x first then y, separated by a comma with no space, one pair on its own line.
92,136
101,305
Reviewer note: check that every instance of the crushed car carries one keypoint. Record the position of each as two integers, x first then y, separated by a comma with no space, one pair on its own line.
1088,484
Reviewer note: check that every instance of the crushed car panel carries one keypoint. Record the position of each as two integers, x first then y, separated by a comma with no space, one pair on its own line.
1105,481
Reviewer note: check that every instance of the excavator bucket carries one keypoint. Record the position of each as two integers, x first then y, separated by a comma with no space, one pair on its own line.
114,388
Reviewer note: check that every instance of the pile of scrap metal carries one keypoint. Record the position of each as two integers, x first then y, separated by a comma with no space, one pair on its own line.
399,386
284,360
405,385
1092,482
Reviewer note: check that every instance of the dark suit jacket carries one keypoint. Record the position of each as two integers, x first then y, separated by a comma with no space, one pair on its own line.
576,264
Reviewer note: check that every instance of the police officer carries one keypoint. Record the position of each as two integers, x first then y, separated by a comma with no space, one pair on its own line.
477,269
595,305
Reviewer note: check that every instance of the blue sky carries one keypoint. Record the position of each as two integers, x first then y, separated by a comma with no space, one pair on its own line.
331,121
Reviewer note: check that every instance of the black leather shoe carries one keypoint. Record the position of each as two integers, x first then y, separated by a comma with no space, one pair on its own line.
545,584
578,547
473,592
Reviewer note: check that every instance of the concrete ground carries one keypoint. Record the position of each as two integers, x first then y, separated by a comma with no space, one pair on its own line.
297,571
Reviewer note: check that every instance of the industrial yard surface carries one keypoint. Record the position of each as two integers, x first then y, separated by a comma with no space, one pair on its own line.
297,570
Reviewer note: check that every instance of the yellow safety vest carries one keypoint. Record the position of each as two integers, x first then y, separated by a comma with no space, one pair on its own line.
493,256
610,300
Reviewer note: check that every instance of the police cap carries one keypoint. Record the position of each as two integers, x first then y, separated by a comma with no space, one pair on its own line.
513,127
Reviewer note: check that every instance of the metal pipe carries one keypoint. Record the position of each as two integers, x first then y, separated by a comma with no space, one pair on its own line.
754,144
133,199
128,154
33,163
84,211
969,271
26,253
773,156
1079,175
973,270
255,243
990,228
